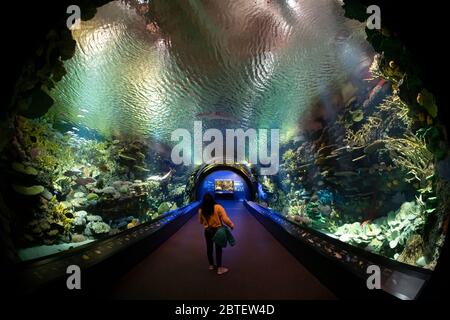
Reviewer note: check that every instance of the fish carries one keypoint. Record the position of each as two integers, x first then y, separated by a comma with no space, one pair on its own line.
72,173
377,88
160,178
216,115
359,158
84,181
378,93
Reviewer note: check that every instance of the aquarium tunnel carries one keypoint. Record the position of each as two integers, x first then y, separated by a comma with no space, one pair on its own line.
318,136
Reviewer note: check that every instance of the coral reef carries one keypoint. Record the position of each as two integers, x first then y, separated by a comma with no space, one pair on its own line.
386,235
70,189
411,154
51,225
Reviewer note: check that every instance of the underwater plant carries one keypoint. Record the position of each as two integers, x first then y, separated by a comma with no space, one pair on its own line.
397,110
365,135
411,154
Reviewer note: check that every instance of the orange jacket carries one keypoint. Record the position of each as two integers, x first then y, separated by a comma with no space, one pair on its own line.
215,220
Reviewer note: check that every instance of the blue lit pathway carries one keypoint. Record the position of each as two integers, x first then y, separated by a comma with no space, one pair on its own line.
260,267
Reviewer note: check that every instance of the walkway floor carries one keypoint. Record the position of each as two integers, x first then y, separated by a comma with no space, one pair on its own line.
260,267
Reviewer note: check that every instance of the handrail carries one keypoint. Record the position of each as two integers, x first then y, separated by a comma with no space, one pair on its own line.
367,254
352,258
37,272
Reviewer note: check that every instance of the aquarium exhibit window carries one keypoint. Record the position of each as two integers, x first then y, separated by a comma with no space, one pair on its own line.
224,186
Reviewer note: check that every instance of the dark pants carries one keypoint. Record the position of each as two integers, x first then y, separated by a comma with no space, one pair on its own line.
209,234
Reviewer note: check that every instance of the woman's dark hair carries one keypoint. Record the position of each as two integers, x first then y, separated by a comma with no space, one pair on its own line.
208,205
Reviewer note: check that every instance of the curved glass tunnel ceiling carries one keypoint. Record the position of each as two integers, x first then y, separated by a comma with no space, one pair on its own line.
230,64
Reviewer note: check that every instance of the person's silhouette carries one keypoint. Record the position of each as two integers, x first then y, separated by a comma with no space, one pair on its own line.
212,216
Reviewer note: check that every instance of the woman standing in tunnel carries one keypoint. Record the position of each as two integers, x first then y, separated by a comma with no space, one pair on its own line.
212,216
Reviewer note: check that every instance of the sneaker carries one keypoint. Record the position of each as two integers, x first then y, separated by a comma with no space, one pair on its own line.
212,267
222,270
